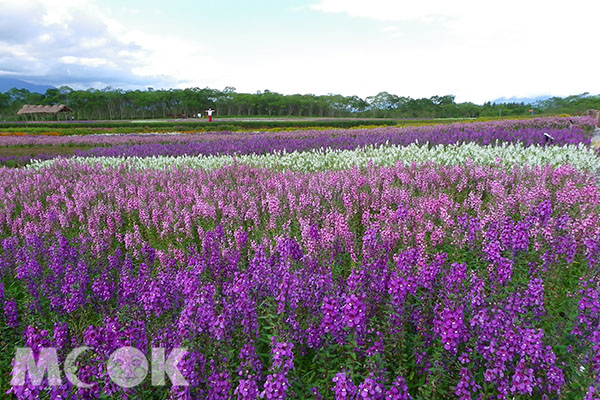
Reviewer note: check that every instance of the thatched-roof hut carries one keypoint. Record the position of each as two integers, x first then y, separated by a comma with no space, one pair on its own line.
35,109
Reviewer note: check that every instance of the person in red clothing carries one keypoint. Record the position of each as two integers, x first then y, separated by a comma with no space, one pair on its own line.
209,112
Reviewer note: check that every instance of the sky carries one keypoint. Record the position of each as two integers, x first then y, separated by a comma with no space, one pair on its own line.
477,50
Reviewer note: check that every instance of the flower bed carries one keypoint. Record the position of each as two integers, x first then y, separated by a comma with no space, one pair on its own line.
382,281
581,157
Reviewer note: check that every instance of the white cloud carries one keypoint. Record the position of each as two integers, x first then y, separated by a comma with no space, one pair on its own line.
473,49
389,28
88,61
391,10
45,38
485,50
164,55
476,21
75,42
93,42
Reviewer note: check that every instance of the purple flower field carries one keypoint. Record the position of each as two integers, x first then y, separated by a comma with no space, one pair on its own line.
262,144
422,282
528,132
570,123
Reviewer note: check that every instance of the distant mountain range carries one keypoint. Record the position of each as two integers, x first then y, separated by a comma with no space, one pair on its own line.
8,83
526,100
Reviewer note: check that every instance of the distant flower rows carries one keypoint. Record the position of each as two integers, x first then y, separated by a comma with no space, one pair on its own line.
581,157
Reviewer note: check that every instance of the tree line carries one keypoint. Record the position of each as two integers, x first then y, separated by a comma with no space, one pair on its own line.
115,104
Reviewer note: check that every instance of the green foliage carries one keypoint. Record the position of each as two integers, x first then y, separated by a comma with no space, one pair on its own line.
90,128
117,104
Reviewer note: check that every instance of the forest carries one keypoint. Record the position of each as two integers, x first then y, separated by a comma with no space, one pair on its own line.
118,104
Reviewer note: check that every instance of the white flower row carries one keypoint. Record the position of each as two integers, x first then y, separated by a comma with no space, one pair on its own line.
581,157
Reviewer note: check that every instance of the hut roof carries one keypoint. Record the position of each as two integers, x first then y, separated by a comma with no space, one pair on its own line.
35,109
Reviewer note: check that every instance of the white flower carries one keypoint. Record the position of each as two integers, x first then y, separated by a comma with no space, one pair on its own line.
581,157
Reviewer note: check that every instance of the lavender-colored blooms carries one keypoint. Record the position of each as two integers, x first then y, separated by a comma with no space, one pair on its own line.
370,389
552,123
11,314
25,159
283,358
529,132
349,140
276,387
398,390
247,389
344,388
454,275
219,386
379,136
